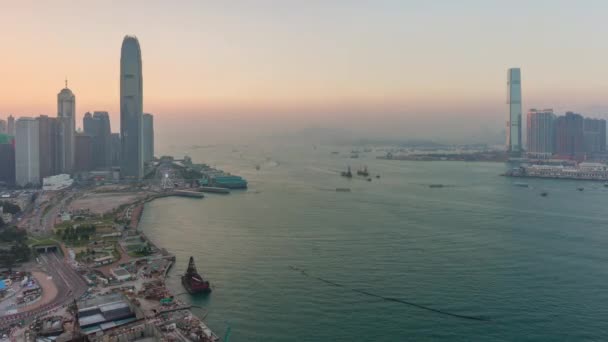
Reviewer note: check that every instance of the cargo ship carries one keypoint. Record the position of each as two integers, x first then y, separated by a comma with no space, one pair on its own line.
194,282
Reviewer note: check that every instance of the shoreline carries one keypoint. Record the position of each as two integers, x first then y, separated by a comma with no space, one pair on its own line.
140,207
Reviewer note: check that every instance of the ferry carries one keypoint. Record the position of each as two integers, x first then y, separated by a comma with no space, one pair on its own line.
228,181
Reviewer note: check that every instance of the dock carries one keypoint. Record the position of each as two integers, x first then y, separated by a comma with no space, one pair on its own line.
188,193
583,171
213,189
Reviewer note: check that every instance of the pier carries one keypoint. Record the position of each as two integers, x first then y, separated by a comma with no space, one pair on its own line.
187,193
584,171
213,189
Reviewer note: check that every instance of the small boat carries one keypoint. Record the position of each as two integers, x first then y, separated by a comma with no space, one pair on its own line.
377,176
435,185
369,179
363,172
342,189
580,188
347,173
523,185
544,194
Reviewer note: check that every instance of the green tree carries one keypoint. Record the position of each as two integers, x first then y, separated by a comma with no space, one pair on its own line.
8,261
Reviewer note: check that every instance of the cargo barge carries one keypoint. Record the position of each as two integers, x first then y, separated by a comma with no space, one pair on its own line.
194,282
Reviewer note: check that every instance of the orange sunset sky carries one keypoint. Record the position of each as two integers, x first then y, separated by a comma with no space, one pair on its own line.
374,63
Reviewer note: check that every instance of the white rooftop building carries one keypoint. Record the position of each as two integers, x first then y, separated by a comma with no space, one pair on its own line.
57,182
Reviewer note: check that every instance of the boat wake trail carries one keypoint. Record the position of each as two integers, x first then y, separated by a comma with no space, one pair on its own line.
389,299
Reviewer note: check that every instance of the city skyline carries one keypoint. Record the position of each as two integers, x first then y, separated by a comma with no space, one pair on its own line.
240,66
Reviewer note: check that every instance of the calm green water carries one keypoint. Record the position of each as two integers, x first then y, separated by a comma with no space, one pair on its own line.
537,267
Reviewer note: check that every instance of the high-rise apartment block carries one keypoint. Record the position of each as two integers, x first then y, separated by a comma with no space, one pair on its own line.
7,159
49,141
10,125
594,135
27,152
540,132
569,136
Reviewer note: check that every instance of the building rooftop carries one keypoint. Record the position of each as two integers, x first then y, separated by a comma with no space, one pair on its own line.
90,320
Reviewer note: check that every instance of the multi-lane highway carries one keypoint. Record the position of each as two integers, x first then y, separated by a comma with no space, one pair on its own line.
69,285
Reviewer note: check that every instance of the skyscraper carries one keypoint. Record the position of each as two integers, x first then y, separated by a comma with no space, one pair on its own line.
27,153
594,135
514,102
569,141
97,126
7,159
131,109
540,129
3,127
49,140
116,147
148,122
88,125
83,155
66,114
11,125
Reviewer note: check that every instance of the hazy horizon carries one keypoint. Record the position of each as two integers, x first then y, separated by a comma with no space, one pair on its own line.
378,69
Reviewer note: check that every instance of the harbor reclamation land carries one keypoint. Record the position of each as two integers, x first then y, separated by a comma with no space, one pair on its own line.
92,272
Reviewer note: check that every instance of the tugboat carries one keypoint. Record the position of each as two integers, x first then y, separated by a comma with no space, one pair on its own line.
347,174
363,172
193,282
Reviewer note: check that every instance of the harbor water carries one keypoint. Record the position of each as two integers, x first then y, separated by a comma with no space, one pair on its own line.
534,268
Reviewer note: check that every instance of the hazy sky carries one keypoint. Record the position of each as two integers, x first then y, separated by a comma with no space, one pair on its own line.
400,67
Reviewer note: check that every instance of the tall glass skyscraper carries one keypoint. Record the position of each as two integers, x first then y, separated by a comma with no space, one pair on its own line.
66,114
131,109
514,102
